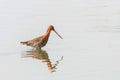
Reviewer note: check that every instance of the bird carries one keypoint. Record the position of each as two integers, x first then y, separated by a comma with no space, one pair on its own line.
41,41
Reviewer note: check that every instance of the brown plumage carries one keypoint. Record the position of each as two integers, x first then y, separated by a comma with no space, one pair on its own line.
42,40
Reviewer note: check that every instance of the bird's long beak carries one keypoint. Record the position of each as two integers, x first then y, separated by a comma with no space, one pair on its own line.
57,34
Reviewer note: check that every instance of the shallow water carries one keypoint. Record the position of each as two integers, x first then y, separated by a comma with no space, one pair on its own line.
89,49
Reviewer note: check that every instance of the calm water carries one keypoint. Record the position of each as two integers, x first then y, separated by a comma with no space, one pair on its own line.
89,50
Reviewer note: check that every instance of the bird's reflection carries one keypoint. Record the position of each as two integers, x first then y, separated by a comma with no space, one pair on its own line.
43,56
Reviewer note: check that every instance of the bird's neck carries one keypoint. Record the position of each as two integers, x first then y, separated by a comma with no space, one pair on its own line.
48,33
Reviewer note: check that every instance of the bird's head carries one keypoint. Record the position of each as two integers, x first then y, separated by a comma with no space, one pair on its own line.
51,27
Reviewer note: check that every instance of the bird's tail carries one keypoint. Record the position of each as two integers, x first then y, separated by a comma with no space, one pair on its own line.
26,42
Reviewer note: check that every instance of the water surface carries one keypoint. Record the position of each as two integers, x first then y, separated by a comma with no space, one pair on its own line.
89,49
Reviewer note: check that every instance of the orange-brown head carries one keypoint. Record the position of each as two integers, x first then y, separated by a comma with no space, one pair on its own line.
51,27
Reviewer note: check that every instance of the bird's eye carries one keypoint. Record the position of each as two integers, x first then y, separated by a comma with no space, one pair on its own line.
52,28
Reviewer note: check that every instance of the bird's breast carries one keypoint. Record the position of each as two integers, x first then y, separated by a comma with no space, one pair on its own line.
43,42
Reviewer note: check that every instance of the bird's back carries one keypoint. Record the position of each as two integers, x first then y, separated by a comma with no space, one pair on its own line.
33,41
36,42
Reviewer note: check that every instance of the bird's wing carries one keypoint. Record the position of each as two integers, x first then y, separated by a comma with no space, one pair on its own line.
38,41
34,41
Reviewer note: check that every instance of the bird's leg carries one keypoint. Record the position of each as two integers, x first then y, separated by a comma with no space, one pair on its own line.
33,48
38,48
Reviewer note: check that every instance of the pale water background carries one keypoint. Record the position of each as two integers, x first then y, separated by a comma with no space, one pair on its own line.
90,45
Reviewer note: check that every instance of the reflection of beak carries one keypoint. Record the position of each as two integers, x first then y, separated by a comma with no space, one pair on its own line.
57,34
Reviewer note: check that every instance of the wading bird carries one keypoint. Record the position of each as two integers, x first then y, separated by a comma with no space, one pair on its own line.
41,41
